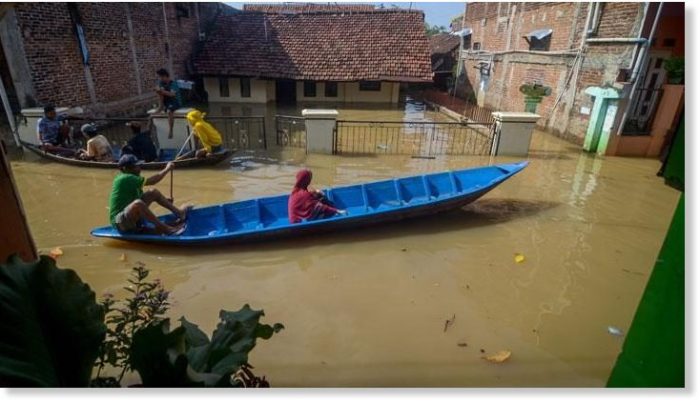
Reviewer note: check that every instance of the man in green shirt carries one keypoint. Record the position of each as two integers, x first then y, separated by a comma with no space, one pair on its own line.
128,203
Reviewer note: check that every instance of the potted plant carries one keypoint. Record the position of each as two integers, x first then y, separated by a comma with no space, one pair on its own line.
675,70
533,95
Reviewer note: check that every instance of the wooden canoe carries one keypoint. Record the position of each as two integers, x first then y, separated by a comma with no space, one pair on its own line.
369,203
210,160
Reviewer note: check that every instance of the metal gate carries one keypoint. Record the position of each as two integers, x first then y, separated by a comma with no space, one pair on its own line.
424,139
290,131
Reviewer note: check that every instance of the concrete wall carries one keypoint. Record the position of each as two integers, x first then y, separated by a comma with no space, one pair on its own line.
320,93
127,43
500,28
259,90
264,91
350,92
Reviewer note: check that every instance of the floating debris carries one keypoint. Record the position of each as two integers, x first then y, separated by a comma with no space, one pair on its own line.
56,252
615,331
403,249
122,258
499,357
462,344
482,351
449,322
519,258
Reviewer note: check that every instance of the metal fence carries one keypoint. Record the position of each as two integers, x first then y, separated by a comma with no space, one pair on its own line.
291,131
114,129
645,102
425,139
241,132
469,110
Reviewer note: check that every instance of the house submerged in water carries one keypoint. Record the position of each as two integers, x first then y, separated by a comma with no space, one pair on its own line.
317,53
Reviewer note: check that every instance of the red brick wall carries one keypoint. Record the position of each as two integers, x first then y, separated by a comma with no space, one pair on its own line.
54,57
510,70
52,52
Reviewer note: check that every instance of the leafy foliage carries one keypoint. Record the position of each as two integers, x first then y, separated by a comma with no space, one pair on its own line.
146,303
535,90
186,356
51,327
675,68
434,29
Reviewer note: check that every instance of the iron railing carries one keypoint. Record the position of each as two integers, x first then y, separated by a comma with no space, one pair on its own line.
241,132
469,110
291,131
114,129
641,117
237,132
424,139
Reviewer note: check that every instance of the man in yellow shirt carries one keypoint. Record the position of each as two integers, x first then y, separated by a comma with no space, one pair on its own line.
208,136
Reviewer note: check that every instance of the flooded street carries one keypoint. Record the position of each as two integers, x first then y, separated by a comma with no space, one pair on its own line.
368,307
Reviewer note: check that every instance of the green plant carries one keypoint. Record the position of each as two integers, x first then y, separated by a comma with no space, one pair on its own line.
675,70
53,332
535,90
51,327
146,303
186,356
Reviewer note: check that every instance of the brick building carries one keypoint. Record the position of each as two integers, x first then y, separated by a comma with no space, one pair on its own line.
319,53
101,56
571,48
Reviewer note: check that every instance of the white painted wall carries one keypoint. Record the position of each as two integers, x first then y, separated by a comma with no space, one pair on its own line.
320,93
350,92
258,90
262,91
387,93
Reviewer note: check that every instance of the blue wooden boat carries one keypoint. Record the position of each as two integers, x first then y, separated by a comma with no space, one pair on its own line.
369,203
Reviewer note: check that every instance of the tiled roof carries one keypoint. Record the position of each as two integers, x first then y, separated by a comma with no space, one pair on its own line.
443,43
305,7
388,45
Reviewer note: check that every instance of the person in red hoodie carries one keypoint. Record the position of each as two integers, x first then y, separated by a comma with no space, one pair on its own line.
307,203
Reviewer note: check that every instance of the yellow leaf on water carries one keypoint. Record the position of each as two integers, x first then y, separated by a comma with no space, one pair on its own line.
519,258
499,357
122,258
56,252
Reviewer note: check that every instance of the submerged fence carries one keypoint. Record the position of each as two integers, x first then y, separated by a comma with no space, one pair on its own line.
290,131
238,132
241,132
473,112
425,139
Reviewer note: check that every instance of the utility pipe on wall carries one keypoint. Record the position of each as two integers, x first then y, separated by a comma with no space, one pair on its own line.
8,111
616,40
643,53
635,54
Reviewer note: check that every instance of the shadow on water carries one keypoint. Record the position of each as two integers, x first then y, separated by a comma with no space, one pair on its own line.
478,214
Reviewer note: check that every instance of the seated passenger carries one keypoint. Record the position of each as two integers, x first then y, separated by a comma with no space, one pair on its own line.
141,145
97,147
306,203
53,133
208,136
129,204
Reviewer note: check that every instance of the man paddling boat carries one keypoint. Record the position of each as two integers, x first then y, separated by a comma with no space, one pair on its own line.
129,205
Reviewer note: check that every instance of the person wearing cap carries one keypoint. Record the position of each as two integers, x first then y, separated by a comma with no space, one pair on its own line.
51,132
97,147
140,144
129,204
208,136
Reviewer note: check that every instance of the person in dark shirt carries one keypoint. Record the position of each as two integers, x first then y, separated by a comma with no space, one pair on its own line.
140,144
170,98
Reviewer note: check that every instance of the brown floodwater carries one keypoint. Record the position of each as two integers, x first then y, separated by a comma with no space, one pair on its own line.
368,307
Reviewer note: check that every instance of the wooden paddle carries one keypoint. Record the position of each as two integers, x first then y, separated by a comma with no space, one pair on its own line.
171,186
